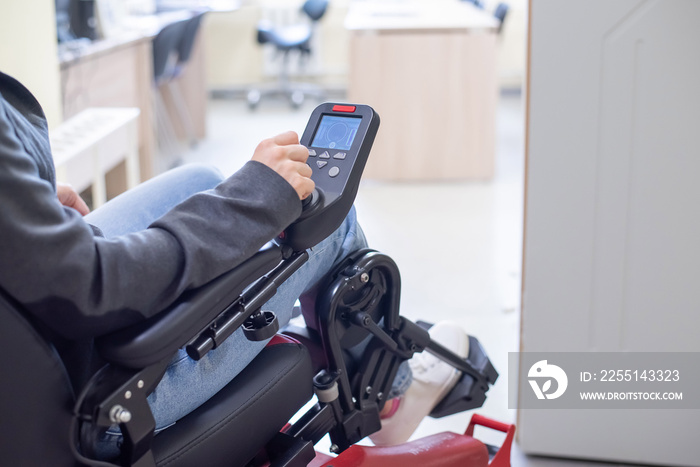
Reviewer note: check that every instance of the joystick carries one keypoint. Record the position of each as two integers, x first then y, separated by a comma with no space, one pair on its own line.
310,204
339,138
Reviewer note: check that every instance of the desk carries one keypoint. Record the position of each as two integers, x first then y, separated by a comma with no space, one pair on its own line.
87,146
429,70
119,72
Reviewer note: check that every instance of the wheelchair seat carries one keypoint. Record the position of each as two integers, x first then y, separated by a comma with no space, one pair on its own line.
226,430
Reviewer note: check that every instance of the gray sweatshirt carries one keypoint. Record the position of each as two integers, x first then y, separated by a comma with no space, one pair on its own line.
80,285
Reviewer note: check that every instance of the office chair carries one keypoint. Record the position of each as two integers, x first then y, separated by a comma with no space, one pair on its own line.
172,49
166,45
165,56
184,51
500,14
287,39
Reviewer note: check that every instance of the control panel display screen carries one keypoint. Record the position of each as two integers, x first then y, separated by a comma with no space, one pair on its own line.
336,132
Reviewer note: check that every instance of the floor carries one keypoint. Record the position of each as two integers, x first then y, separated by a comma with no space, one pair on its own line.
458,244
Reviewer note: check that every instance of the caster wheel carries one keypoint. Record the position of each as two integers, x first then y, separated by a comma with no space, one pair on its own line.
297,99
253,99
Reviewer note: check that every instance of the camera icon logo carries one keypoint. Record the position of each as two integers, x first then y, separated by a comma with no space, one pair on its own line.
547,372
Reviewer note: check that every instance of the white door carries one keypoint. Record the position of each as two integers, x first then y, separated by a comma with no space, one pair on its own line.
612,215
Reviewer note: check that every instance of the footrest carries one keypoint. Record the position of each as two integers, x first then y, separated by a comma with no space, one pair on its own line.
467,393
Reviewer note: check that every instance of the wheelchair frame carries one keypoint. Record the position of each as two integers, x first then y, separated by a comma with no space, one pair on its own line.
358,308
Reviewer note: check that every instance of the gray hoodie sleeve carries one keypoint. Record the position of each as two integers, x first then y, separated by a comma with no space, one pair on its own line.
81,285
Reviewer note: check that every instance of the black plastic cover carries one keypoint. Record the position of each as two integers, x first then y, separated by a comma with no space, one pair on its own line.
159,337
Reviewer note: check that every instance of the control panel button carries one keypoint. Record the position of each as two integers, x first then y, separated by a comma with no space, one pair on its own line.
340,155
344,108
312,152
321,164
334,171
325,155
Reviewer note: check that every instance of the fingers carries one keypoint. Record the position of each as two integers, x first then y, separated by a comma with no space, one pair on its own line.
290,142
286,138
300,179
305,171
287,157
67,196
297,152
81,206
305,187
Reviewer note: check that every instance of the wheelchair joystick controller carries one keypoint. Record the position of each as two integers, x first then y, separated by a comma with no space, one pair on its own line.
339,138
310,203
306,202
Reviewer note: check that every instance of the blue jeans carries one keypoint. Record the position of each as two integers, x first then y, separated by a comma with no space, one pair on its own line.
187,384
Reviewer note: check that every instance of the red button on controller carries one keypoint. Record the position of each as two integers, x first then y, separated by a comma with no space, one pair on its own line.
344,108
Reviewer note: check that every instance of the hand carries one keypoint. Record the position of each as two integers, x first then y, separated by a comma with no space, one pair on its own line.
287,157
67,196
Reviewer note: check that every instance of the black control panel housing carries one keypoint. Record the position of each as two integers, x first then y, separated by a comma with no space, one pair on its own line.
339,138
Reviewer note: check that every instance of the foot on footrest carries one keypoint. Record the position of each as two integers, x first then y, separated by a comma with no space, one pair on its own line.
467,393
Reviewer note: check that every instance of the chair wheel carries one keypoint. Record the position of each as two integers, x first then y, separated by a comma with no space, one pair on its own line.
253,99
296,99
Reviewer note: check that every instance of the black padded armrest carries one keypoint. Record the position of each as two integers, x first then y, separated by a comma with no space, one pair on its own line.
160,336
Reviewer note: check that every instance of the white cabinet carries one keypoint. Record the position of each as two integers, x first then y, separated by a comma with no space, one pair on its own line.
612,225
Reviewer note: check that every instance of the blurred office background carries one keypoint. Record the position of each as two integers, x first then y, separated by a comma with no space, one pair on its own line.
444,192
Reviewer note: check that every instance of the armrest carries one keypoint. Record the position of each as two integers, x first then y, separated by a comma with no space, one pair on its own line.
160,336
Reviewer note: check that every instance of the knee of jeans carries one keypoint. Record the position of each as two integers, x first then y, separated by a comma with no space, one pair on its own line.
207,173
354,236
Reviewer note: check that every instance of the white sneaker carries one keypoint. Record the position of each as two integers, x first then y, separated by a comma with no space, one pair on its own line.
432,380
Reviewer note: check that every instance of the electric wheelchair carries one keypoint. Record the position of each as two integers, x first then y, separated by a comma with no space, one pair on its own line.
348,357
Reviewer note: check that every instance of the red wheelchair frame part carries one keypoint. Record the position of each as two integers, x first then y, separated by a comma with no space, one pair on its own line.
502,457
445,449
278,339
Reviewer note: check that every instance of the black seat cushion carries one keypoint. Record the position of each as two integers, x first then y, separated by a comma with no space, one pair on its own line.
231,427
35,395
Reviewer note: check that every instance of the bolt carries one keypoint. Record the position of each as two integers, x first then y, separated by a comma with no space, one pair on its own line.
140,384
127,395
380,396
368,389
119,414
334,448
364,277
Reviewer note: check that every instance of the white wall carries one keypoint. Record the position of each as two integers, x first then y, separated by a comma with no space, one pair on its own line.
28,50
